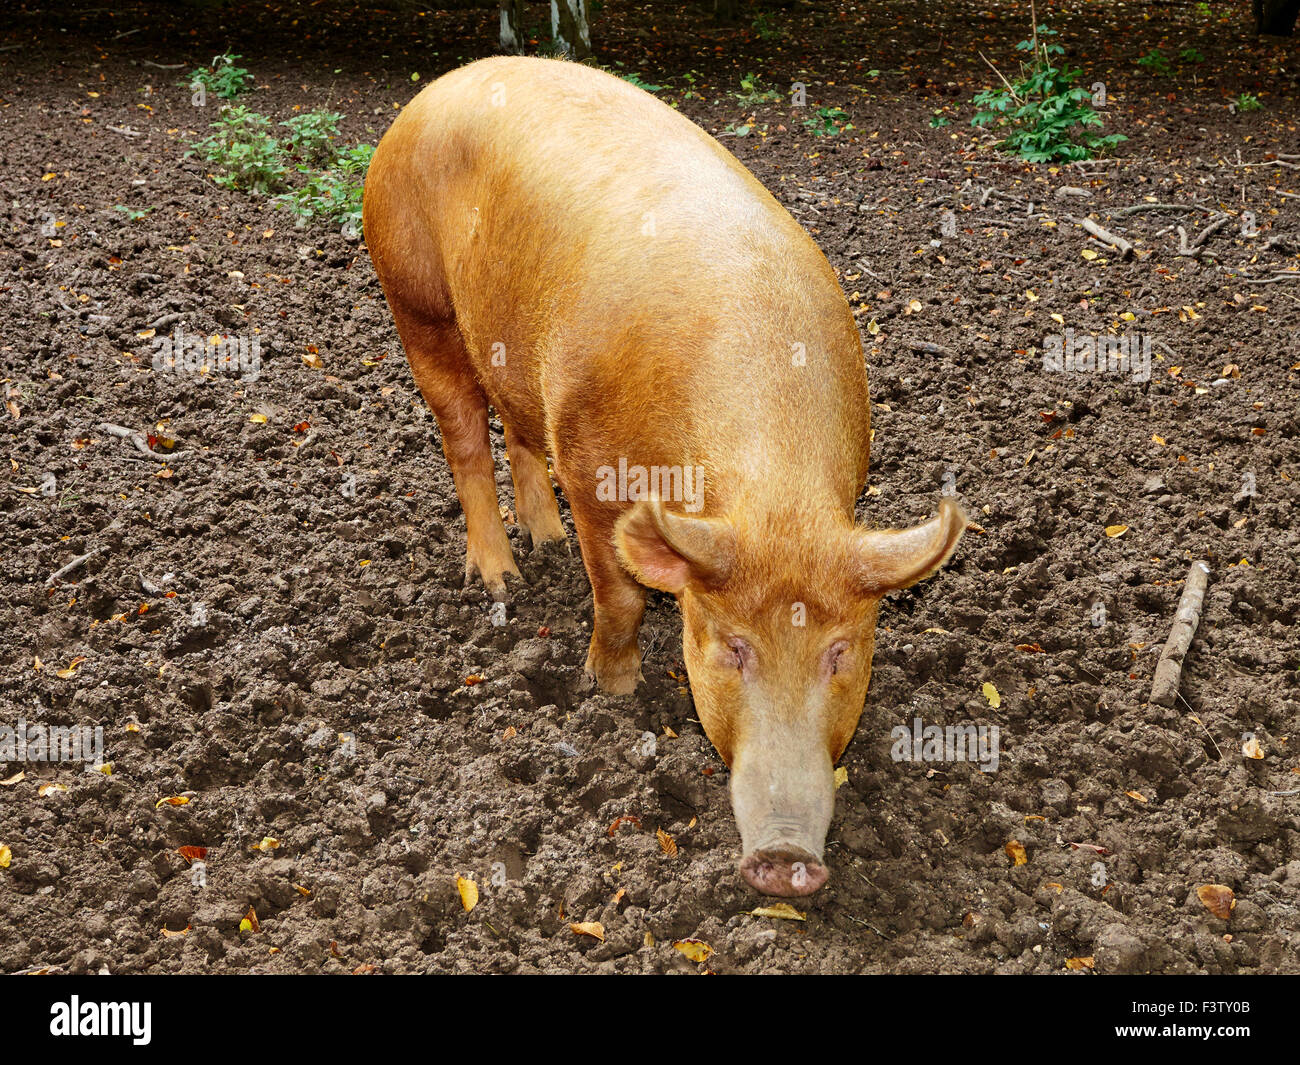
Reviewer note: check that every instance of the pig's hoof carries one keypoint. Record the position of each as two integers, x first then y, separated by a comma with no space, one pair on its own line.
541,535
785,871
493,580
620,678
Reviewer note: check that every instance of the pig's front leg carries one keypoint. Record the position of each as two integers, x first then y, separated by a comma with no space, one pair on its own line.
614,659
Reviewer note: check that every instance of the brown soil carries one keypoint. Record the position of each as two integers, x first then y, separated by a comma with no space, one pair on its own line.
293,610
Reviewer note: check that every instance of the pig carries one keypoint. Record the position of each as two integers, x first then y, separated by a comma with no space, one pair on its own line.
564,247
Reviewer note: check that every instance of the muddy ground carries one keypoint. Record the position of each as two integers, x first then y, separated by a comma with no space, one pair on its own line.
273,625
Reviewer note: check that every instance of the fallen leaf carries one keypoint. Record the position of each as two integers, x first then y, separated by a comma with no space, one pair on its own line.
169,934
1136,796
71,671
841,777
666,843
1252,749
192,854
468,892
1016,852
1075,964
172,800
695,949
268,844
782,911
49,789
991,694
249,923
11,781
6,856
1116,530
1218,899
588,928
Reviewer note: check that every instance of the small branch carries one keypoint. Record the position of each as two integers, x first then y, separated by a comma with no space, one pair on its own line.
140,442
1196,247
77,562
1169,670
1121,245
1139,208
925,347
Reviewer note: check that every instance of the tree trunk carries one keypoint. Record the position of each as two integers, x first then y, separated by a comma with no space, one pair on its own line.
1277,17
569,28
512,26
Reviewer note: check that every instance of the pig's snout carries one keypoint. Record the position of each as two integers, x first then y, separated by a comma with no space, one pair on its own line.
785,869
783,794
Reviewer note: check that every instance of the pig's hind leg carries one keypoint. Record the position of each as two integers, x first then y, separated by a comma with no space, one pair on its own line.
442,369
535,504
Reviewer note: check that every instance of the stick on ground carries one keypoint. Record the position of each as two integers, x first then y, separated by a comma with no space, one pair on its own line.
1169,670
1121,245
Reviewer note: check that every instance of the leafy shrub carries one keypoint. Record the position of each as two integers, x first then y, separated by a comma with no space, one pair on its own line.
1043,116
312,134
245,152
222,77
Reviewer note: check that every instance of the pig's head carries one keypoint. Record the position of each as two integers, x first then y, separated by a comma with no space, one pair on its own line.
779,625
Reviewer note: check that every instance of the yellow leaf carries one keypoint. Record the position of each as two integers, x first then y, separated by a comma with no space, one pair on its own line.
1136,796
841,777
1116,530
588,928
1075,964
9,783
468,892
1157,439
1252,749
873,327
782,911
259,418
268,844
6,856
666,843
172,800
168,935
313,360
991,694
1218,899
695,949
49,789
1016,852
1088,254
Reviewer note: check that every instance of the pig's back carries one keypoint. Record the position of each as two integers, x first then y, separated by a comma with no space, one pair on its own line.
626,261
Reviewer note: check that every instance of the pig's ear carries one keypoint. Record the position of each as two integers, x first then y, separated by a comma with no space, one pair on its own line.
896,559
668,551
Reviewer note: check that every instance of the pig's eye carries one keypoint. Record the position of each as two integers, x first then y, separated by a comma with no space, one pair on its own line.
739,654
835,659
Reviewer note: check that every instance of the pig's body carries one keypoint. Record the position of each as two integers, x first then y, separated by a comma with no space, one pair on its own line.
561,245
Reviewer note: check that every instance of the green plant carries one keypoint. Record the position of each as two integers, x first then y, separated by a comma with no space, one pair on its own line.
245,152
1155,62
1191,55
827,122
221,77
133,214
938,120
1248,101
1043,116
755,92
312,134
635,79
332,194
765,27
